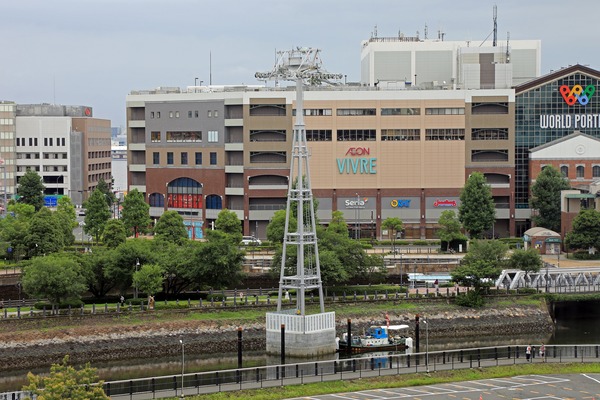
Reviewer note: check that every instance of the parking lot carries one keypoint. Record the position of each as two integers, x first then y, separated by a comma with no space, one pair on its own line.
528,387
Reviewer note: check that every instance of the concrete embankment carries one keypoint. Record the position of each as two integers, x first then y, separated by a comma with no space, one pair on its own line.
41,342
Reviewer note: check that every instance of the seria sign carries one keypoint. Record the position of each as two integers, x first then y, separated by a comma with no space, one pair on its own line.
356,161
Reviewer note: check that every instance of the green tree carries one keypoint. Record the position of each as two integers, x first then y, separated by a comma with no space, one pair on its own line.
481,266
136,213
526,260
276,227
228,222
170,227
114,233
476,211
97,214
31,189
449,230
149,279
14,229
66,382
56,277
586,230
545,198
66,219
44,233
93,266
124,259
105,189
218,262
394,225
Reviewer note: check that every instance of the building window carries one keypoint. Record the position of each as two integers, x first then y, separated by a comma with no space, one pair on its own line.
596,171
209,114
400,134
318,135
196,114
216,114
155,136
156,158
189,114
444,134
564,170
156,200
400,111
489,134
184,136
315,112
170,158
354,112
176,114
62,140
198,158
213,158
170,114
45,142
444,111
356,134
158,114
580,171
184,158
31,141
213,136
152,114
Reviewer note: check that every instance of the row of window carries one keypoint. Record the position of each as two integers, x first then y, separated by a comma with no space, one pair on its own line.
99,154
7,121
7,107
345,112
325,135
47,168
183,158
580,171
184,136
99,166
190,113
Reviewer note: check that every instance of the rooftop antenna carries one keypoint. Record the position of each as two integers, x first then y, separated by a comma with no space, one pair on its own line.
375,31
210,68
495,42
426,32
300,65
507,47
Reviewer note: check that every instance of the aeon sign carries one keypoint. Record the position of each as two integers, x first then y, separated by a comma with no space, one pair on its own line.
355,162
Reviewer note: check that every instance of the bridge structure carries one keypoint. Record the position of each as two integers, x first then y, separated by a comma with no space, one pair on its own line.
552,279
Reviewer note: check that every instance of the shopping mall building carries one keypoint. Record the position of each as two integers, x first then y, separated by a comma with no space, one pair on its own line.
376,151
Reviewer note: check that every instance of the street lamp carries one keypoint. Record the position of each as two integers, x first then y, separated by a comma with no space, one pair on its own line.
426,345
356,214
182,364
137,265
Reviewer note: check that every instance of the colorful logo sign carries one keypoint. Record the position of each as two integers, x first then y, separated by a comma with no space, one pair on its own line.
400,203
444,203
577,94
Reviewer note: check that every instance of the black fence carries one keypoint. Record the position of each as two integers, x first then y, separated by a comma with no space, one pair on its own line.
370,365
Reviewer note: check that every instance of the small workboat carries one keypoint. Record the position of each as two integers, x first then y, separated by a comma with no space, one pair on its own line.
377,338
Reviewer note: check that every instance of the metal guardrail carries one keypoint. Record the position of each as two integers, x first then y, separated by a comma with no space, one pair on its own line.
372,365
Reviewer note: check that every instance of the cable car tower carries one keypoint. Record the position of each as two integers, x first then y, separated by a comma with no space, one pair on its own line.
311,334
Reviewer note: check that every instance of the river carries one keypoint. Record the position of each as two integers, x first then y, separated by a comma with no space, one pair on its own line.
576,323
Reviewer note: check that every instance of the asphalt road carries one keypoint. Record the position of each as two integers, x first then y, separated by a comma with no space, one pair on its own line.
527,387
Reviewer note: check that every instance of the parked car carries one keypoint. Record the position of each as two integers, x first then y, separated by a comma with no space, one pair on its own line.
251,240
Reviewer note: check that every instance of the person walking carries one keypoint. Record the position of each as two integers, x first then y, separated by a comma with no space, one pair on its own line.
543,352
528,353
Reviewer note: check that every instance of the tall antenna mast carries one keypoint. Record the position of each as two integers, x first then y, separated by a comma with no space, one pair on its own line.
495,42
317,332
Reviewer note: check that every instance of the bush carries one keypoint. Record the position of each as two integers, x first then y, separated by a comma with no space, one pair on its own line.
74,303
471,299
584,255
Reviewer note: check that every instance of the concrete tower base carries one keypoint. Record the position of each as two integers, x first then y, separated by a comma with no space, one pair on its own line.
305,335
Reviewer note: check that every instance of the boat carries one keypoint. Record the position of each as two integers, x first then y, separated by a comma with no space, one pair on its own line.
377,338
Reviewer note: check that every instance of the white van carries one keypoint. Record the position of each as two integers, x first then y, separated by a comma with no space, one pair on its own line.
251,240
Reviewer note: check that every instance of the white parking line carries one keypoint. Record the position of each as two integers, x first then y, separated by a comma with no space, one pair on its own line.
589,377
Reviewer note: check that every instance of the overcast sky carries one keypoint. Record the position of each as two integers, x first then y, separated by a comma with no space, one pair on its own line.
94,52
